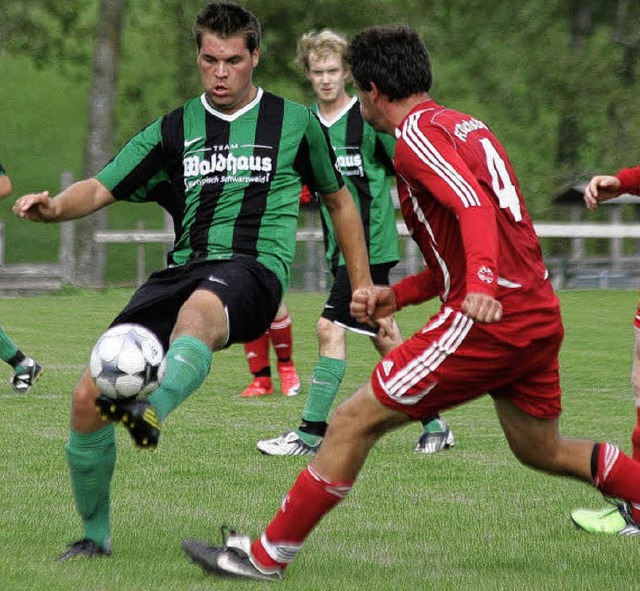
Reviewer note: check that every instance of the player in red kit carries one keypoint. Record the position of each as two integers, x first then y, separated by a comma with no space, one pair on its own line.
499,329
614,519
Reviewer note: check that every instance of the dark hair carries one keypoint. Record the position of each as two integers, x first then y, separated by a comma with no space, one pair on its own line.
227,19
393,57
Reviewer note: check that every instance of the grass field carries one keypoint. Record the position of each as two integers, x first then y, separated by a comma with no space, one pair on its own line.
470,518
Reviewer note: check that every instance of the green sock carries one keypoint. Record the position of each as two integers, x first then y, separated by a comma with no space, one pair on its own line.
92,458
188,363
325,382
433,425
8,349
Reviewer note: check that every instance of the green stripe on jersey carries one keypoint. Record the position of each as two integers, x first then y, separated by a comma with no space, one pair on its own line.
365,158
232,183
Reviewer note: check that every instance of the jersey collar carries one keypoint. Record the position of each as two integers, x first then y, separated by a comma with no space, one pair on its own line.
233,116
340,115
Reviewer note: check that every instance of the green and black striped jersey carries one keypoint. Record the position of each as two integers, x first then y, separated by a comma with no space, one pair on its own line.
365,158
2,170
230,182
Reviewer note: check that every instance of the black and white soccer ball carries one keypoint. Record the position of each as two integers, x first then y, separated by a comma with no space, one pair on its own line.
127,362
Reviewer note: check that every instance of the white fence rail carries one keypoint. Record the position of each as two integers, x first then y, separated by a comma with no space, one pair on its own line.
543,230
560,267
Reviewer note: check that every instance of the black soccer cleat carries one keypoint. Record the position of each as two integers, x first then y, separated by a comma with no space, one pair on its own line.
83,549
26,376
232,559
138,416
432,442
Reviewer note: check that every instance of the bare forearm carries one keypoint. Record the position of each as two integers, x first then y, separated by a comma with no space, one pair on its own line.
80,199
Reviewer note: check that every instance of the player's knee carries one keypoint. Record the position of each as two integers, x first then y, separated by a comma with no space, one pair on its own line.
84,415
327,331
365,416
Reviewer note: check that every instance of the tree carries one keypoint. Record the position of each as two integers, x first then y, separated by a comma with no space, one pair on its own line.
91,256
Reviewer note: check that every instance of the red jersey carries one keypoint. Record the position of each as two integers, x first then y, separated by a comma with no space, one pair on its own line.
630,183
629,180
461,202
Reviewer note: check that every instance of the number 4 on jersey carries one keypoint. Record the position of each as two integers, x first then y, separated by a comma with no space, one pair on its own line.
501,181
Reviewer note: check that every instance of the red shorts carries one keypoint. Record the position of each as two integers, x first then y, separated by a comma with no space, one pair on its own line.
452,360
636,320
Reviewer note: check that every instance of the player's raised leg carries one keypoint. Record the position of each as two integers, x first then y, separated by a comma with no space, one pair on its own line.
201,325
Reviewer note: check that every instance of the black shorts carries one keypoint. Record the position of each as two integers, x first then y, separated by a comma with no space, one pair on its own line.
250,292
337,309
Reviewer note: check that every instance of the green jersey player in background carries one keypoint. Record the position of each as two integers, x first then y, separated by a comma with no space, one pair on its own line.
25,370
228,166
365,160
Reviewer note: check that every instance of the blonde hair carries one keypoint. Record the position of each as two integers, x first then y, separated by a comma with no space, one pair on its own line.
323,44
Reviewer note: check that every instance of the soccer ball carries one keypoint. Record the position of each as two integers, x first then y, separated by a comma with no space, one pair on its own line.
127,361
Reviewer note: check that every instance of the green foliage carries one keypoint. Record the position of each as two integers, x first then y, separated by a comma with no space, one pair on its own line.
512,64
51,32
470,518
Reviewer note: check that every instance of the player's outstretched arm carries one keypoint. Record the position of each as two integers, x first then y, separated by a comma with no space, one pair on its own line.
600,188
77,201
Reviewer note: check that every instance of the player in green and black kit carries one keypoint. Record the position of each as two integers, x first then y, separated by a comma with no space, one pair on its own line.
25,370
228,166
365,160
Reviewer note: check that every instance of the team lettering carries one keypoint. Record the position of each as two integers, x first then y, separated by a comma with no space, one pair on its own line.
350,164
462,130
195,166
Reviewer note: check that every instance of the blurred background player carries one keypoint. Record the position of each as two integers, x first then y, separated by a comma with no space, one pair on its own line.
25,370
365,160
615,519
280,335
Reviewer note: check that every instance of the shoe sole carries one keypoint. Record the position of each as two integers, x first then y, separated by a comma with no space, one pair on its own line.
123,417
286,455
199,554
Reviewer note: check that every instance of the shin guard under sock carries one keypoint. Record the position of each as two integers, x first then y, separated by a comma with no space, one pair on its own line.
188,363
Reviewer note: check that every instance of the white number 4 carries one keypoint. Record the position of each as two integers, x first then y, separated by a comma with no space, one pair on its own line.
501,181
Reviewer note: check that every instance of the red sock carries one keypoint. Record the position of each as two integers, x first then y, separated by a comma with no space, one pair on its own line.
282,337
635,438
257,353
310,498
618,476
